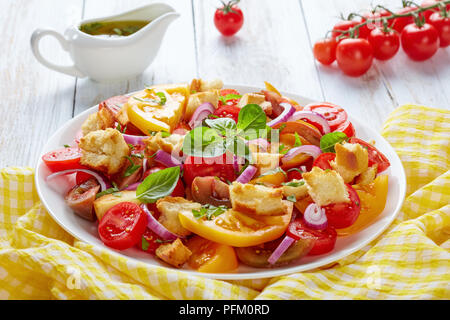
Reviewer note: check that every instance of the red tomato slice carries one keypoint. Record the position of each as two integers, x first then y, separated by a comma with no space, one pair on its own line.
151,242
296,173
375,156
228,112
63,159
177,192
324,239
230,102
323,161
343,215
122,226
202,167
347,128
334,114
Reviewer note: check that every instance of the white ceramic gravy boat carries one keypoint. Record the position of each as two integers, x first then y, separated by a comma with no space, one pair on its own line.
115,58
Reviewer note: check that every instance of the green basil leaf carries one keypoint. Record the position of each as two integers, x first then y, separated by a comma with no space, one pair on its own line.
224,125
201,138
158,185
328,140
230,96
251,117
298,142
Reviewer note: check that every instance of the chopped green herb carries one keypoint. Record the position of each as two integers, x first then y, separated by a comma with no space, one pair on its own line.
112,190
209,211
145,244
282,149
131,169
66,146
120,128
293,183
291,198
162,98
298,142
130,146
230,96
165,134
118,31
162,241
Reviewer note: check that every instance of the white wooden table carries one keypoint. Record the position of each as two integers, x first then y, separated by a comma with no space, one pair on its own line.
274,45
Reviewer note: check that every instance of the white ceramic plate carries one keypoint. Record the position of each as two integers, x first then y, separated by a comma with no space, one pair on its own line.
87,231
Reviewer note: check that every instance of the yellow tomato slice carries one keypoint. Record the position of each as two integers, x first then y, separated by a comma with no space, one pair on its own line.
211,257
373,200
237,229
274,180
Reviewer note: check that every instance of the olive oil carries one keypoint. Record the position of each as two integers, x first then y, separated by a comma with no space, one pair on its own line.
113,28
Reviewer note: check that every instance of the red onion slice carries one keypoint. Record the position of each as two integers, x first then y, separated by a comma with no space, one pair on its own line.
167,160
283,246
134,140
315,217
313,151
132,186
313,117
247,174
203,111
284,116
144,165
102,180
157,227
260,142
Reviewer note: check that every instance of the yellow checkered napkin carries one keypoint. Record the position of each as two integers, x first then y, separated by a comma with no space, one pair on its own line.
411,260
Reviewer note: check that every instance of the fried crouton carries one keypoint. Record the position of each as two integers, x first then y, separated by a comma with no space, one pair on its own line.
296,188
172,143
199,85
256,98
98,121
351,160
325,186
367,176
175,253
104,150
170,207
265,161
197,99
257,199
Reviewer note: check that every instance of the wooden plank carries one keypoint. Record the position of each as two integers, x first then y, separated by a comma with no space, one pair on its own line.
271,46
387,84
35,101
175,61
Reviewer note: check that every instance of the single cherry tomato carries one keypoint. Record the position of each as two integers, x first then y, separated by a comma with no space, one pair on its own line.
375,156
323,161
122,226
229,18
150,241
228,112
400,23
324,240
347,128
202,167
334,114
420,43
325,50
385,44
179,188
344,25
442,25
354,56
343,215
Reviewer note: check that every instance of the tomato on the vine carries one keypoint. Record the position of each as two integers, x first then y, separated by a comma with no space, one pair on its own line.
325,50
229,18
420,42
377,16
385,44
401,22
354,56
345,25
442,25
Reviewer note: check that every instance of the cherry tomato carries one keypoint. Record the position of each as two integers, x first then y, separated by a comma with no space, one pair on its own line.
325,50
228,112
229,102
375,156
179,188
344,25
343,215
63,159
150,241
429,12
442,25
122,226
385,44
229,18
420,43
354,56
323,161
202,167
334,114
366,29
400,23
347,128
324,239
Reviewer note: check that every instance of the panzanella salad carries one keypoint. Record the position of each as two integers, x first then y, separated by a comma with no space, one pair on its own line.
206,178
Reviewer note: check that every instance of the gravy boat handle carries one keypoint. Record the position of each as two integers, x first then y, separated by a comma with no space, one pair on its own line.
37,35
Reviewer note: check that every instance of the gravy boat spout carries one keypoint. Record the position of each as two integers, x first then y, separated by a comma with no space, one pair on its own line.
111,58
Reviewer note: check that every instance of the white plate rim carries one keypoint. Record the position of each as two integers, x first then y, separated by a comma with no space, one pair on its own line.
265,272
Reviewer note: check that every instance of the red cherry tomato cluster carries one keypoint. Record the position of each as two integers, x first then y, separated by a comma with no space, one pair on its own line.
419,30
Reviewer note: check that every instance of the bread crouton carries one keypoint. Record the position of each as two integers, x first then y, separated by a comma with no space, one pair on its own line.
170,207
256,98
351,160
265,161
367,176
172,143
98,121
325,186
199,85
196,99
257,199
175,253
296,188
104,150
